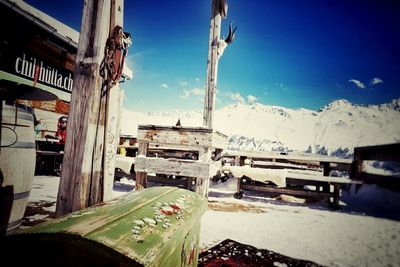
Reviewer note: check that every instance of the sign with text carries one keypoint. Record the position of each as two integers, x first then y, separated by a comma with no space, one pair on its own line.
36,70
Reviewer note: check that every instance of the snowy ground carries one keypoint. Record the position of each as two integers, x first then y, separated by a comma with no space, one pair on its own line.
306,231
359,234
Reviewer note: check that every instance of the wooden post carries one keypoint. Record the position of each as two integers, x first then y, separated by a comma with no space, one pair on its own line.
359,163
212,66
336,195
113,103
242,160
189,183
202,183
141,177
237,160
352,172
326,168
239,183
81,183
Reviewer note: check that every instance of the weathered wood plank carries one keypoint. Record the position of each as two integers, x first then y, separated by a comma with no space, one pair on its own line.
276,165
319,178
111,140
190,168
262,175
113,113
146,127
294,192
260,156
174,147
319,184
182,136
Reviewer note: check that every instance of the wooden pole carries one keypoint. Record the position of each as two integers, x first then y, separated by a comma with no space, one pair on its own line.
81,183
212,66
141,177
202,184
359,163
211,87
113,103
327,168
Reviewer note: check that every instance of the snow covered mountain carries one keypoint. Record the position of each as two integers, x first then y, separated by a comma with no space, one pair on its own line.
333,130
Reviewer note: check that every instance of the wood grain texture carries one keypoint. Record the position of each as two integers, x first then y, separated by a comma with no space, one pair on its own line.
190,168
92,233
181,136
212,66
114,99
81,182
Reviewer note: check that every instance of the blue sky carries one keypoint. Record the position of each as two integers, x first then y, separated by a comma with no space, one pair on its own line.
286,53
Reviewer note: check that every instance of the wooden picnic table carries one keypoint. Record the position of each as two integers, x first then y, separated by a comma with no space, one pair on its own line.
328,163
295,184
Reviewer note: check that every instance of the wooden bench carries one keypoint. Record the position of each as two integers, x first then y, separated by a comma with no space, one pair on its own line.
295,186
293,161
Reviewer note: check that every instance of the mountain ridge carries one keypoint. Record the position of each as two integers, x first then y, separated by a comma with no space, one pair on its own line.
334,129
